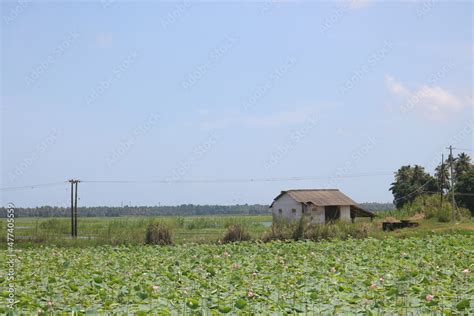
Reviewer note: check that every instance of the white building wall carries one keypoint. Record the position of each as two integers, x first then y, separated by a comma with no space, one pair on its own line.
318,215
345,212
286,203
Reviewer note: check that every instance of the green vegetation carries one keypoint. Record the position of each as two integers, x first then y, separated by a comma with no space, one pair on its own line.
158,234
95,231
430,207
115,211
428,275
413,182
236,233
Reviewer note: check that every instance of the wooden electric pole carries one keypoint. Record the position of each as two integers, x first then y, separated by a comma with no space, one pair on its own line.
75,210
74,207
441,179
453,210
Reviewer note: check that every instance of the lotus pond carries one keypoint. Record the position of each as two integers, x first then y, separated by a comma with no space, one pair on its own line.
432,274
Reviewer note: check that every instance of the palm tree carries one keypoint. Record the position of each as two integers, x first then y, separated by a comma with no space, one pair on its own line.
442,175
462,164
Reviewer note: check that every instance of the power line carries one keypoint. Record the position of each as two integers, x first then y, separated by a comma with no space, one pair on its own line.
455,193
413,192
229,180
236,180
32,186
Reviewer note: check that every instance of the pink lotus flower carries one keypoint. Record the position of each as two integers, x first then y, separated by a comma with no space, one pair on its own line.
155,288
50,304
333,269
465,271
373,286
429,297
250,294
382,280
226,254
254,274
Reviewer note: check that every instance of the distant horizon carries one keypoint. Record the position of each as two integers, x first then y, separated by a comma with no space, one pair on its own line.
118,206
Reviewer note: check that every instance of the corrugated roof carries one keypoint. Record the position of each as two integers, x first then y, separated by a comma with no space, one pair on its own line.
320,197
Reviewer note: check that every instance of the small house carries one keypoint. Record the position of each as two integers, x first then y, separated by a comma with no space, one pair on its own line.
318,205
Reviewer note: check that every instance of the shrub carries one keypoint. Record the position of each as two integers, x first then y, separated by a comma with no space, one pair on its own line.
236,233
298,231
158,234
337,230
280,230
430,206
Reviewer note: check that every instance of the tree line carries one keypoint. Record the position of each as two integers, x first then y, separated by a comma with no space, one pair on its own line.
413,181
106,211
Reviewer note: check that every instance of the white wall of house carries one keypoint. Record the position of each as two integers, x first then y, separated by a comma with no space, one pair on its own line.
345,213
287,204
318,215
292,210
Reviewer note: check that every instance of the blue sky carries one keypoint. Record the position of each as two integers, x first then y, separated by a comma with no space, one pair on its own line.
183,91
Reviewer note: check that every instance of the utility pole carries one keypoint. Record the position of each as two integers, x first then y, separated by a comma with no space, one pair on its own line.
74,207
441,179
75,210
453,211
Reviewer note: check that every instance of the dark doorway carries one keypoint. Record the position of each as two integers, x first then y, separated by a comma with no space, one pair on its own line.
331,213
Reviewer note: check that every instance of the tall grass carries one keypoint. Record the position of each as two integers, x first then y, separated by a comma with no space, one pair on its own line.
301,229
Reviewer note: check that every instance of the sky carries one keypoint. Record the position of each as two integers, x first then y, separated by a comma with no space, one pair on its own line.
187,102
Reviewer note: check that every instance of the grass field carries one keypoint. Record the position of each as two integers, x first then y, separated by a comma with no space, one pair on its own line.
94,231
403,276
130,230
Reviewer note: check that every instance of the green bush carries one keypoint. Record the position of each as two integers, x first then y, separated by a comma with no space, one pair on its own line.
298,230
236,233
158,234
280,230
431,207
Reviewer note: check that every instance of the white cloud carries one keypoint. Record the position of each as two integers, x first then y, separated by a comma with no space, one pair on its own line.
395,87
432,102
